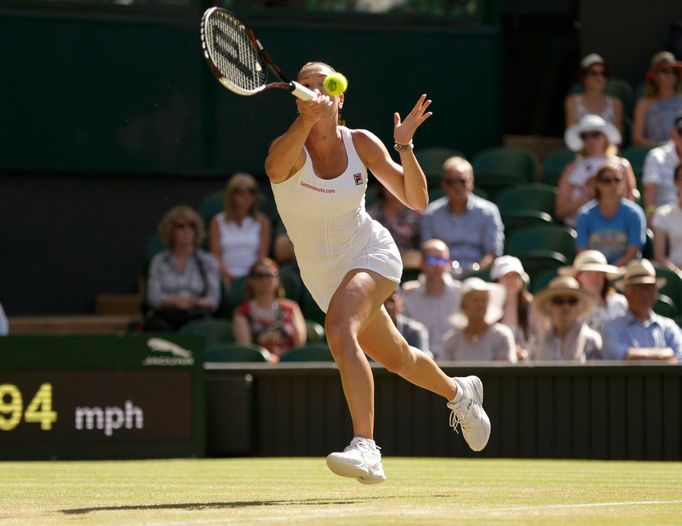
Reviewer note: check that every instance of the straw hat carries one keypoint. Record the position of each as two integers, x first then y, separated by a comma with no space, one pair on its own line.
497,296
588,123
591,260
503,265
563,286
640,272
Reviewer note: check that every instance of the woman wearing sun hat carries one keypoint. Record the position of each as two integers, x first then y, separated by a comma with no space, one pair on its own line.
654,112
565,305
595,277
595,142
641,334
477,336
517,312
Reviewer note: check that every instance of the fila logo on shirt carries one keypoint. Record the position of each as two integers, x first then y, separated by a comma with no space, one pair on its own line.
358,179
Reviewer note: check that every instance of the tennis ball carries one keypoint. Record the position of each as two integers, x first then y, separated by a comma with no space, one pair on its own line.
335,84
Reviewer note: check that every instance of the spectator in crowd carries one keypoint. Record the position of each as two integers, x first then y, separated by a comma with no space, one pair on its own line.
434,297
517,314
470,225
595,277
415,333
267,318
477,335
659,170
595,141
611,224
240,234
402,222
594,74
569,338
184,281
4,324
655,111
667,223
641,334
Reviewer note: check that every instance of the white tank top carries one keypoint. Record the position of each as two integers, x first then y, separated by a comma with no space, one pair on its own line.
326,218
239,244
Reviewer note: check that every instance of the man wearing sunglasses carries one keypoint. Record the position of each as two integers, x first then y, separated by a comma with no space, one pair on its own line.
659,171
470,225
434,298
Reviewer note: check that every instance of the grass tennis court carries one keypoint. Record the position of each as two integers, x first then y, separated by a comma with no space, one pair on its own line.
302,491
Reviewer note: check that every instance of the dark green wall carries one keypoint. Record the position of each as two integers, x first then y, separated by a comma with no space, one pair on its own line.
109,121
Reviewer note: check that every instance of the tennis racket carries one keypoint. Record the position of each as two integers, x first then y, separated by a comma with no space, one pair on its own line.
237,58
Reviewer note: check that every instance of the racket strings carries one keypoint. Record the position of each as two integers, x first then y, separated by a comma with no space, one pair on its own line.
234,54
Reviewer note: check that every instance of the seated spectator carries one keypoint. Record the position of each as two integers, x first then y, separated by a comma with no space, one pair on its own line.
4,324
266,318
655,111
240,234
569,338
402,222
470,225
594,74
659,169
517,314
595,141
641,334
415,333
611,224
184,281
477,336
595,275
667,223
434,297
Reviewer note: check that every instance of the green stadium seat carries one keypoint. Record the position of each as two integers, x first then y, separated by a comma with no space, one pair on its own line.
310,309
538,262
636,155
314,332
308,353
533,196
496,169
236,352
665,306
673,286
542,279
554,238
431,160
520,219
237,292
214,331
554,164
292,284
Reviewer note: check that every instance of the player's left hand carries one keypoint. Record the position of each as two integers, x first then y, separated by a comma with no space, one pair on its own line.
404,131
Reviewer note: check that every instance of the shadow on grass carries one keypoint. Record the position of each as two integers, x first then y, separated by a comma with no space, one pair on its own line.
193,506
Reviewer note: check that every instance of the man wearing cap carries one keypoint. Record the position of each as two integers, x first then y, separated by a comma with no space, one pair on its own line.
641,334
659,171
470,225
434,297
569,338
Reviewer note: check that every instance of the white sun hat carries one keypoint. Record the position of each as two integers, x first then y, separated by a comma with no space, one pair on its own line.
588,123
503,265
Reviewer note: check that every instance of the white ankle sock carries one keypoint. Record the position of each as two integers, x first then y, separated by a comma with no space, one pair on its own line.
365,439
459,394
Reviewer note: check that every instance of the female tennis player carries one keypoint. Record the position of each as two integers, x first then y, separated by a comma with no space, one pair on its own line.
350,264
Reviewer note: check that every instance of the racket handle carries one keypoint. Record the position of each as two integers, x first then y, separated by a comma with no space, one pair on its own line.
301,91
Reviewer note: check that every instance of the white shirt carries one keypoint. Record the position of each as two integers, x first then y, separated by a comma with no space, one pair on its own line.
239,244
659,168
433,311
668,218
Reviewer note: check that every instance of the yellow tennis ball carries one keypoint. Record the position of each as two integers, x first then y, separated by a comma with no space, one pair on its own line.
335,84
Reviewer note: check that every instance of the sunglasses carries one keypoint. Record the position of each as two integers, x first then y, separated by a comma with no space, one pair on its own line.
564,301
242,191
597,73
433,261
264,275
590,135
609,180
183,225
451,181
666,71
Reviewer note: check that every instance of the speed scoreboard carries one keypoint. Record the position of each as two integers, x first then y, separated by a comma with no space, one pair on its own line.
101,396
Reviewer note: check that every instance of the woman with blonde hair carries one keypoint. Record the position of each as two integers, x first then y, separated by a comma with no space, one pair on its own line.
267,318
595,142
655,112
183,282
240,234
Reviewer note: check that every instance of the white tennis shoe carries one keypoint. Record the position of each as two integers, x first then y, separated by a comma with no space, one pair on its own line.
468,412
361,460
